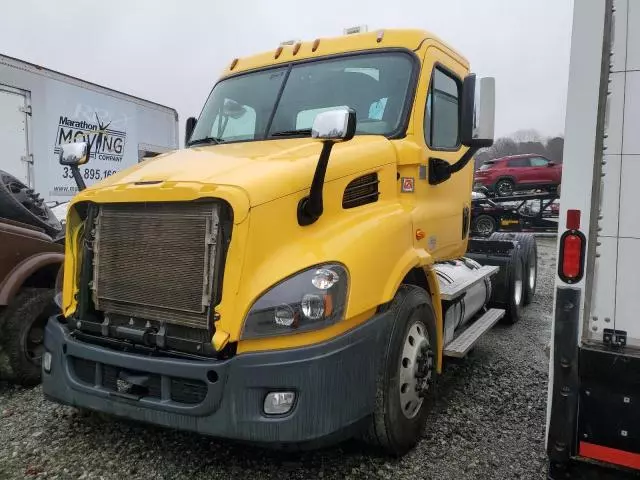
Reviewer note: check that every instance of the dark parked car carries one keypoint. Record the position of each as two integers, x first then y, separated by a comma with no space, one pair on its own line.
506,175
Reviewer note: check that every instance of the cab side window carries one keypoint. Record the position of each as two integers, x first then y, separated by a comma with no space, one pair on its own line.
442,115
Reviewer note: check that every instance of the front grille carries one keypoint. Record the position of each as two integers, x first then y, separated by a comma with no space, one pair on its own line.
157,261
180,390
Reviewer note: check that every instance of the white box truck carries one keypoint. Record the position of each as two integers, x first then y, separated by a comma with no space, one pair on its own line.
41,109
594,385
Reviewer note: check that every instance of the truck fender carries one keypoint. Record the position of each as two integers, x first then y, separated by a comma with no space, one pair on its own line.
434,290
420,258
21,272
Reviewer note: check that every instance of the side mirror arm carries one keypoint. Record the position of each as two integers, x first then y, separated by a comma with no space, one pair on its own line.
77,176
310,208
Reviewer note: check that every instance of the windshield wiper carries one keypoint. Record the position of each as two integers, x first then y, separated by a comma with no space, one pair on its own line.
205,140
290,133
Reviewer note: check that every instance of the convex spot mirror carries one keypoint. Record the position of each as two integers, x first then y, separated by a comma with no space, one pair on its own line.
74,154
336,125
478,111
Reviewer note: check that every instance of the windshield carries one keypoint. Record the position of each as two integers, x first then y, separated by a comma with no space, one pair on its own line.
250,107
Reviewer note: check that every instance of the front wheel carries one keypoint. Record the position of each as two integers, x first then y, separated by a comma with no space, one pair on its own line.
406,383
22,333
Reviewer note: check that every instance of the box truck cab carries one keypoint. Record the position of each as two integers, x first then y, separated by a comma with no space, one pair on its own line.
281,279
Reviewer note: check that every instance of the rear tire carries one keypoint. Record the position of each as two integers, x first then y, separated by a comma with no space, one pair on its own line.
22,333
504,187
530,253
406,383
484,225
516,289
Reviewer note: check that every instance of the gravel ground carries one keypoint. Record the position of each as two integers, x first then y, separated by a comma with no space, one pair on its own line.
488,422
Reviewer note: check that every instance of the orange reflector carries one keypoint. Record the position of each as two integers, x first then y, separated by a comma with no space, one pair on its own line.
571,256
420,234
328,305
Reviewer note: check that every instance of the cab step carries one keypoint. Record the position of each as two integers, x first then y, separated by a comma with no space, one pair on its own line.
453,290
459,346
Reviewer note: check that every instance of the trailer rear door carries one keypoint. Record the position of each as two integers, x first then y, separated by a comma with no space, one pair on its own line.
616,288
14,151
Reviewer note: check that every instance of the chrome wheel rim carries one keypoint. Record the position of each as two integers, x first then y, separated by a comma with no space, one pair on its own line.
416,369
505,189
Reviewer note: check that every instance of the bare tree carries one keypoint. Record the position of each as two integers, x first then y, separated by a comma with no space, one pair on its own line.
504,146
555,148
526,135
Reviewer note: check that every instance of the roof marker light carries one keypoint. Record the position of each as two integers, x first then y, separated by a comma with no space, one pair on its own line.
296,47
233,64
357,29
316,43
379,36
278,52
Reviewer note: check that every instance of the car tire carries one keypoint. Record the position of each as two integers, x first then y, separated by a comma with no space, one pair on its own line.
484,225
504,187
529,249
22,333
405,387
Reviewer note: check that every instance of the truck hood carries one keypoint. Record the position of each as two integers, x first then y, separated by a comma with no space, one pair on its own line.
264,170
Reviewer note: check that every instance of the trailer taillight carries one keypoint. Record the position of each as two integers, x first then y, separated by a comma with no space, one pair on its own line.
571,256
571,261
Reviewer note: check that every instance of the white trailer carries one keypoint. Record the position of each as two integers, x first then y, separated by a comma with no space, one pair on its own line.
594,386
41,109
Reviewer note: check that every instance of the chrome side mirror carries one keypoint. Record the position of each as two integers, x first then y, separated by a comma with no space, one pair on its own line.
336,125
478,111
74,154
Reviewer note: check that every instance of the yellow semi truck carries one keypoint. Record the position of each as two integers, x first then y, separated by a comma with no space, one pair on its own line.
295,274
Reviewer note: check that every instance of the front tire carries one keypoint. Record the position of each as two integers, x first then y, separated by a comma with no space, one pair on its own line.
22,333
484,225
406,384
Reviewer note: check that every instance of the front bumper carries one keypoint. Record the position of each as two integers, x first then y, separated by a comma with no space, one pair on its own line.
335,385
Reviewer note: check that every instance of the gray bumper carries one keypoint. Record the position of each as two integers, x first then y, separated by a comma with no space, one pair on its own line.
334,382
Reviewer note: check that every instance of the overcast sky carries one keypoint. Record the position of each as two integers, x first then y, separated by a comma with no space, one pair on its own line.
172,51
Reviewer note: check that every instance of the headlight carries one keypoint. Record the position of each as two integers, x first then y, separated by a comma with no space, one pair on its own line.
309,300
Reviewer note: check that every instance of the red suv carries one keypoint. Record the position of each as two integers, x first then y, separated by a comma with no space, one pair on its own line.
506,175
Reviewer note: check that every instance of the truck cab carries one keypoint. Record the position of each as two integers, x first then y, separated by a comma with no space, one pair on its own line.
276,280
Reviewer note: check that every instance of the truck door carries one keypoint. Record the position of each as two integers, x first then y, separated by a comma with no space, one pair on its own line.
14,137
441,211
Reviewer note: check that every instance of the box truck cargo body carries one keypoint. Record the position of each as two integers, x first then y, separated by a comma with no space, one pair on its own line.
594,395
41,109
